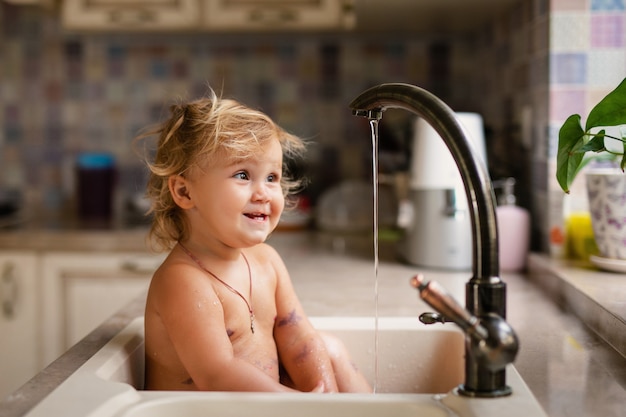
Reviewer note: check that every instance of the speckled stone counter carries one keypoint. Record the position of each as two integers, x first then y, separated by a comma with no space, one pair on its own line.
597,297
572,371
118,240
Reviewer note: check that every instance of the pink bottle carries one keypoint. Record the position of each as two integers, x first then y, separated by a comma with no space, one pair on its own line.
513,230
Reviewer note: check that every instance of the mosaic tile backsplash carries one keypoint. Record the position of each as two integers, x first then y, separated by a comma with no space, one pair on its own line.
62,94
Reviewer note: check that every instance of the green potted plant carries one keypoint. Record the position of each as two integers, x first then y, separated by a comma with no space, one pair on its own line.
604,137
575,142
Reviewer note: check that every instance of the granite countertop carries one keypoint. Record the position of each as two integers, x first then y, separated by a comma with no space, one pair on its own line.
571,369
75,239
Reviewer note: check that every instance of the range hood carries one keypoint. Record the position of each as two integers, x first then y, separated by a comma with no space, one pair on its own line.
207,15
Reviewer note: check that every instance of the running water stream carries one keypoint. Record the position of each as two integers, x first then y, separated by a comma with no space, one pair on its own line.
374,129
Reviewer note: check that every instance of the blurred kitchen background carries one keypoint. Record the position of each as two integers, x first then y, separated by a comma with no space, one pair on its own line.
71,85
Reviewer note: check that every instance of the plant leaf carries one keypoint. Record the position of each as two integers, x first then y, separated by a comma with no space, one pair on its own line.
596,144
571,138
611,110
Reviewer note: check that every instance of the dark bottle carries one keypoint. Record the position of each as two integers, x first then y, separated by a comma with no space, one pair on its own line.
95,173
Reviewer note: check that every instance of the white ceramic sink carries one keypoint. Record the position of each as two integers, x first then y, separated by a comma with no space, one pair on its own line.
418,369
301,405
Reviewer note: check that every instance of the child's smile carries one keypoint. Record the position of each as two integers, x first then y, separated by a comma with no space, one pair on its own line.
260,217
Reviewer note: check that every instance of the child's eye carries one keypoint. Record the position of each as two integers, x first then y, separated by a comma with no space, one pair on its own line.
241,175
273,178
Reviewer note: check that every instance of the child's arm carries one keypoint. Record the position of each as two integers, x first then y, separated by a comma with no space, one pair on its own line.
194,320
300,348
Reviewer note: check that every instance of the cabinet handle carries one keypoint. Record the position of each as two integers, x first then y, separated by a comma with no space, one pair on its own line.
9,291
131,17
273,16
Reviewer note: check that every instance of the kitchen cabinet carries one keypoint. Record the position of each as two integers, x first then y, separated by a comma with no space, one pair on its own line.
19,339
29,2
244,15
81,290
126,15
417,16
207,15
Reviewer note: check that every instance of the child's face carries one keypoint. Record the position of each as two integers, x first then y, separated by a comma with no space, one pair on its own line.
238,202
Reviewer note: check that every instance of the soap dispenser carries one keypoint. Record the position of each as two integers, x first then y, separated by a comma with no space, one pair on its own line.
513,228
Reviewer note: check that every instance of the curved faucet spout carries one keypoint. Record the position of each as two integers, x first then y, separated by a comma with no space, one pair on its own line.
475,177
485,292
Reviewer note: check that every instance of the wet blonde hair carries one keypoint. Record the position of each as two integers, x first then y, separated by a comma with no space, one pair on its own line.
196,133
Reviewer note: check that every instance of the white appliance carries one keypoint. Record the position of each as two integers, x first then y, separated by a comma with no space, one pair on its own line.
439,234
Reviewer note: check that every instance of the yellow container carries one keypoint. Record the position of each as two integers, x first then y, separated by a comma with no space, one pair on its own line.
580,240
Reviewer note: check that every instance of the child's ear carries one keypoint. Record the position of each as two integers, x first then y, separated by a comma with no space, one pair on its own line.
180,192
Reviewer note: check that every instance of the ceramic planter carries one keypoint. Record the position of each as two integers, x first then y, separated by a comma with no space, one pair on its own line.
606,190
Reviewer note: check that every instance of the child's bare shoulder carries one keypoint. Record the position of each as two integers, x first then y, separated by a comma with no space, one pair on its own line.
172,267
265,254
269,258
177,277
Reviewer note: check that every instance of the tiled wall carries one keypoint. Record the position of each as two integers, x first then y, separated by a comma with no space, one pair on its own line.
587,52
587,60
511,72
61,94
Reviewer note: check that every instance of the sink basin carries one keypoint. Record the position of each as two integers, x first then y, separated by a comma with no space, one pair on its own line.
415,373
301,405
412,358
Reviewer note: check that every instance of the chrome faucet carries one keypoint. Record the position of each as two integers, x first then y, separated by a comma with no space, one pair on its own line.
491,343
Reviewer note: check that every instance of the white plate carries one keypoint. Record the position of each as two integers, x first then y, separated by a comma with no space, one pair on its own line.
608,264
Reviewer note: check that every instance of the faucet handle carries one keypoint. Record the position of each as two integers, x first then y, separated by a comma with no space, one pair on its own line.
439,299
432,318
490,339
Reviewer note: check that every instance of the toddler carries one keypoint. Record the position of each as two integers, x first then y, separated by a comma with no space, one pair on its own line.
221,312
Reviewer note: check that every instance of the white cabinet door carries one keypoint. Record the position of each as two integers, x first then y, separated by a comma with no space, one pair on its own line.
92,297
19,341
81,290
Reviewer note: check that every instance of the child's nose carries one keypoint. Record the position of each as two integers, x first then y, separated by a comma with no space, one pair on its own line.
260,192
